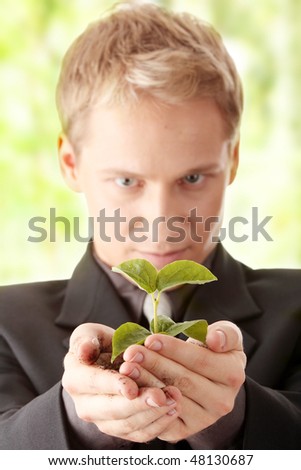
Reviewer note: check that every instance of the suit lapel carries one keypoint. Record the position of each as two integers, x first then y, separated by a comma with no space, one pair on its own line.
91,297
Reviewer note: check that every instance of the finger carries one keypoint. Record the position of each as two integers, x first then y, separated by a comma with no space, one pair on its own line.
89,339
143,421
216,401
116,407
191,420
167,370
224,336
185,364
144,427
142,377
186,353
91,379
154,428
103,407
194,418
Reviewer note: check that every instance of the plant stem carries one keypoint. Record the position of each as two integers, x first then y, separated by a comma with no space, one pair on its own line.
155,304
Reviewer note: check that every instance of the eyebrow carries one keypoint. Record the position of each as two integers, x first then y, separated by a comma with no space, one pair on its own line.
119,172
124,172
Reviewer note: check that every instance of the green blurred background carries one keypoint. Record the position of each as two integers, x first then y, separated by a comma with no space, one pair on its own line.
265,40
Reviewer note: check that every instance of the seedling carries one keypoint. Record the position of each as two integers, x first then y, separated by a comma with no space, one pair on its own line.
154,282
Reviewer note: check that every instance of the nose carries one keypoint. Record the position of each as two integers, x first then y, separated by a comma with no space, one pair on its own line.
161,202
163,210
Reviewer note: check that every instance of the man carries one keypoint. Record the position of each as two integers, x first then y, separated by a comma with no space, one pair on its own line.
150,104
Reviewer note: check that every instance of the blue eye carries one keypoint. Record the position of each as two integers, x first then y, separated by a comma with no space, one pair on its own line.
193,179
126,182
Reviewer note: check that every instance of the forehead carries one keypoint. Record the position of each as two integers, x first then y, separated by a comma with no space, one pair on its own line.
156,133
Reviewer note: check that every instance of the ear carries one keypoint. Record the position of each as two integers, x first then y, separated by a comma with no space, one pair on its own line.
68,163
234,160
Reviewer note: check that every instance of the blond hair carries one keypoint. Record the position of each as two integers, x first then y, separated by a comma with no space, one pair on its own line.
145,50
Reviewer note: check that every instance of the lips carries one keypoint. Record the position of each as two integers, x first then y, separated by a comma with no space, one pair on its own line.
161,259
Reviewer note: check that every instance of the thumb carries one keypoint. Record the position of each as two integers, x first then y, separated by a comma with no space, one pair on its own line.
224,336
90,339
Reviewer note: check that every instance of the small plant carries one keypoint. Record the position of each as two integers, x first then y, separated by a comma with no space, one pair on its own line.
154,282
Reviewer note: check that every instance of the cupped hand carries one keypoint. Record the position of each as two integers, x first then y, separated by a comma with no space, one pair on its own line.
209,378
112,401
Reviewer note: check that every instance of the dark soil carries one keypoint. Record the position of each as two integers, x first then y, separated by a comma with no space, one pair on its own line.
104,361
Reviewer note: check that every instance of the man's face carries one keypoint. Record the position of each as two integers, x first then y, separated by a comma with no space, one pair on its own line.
167,165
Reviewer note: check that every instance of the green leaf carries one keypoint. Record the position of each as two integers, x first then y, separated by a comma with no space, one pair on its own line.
127,334
183,272
164,323
141,271
196,329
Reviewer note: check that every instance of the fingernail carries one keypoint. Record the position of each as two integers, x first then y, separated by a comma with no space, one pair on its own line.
152,403
135,374
170,401
137,358
95,341
155,345
222,338
171,412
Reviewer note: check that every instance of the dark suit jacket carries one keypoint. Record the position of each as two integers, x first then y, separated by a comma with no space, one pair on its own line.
37,319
